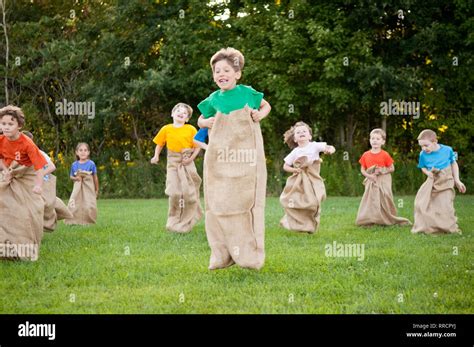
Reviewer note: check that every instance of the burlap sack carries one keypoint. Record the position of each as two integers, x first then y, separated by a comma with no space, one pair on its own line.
53,205
82,203
235,177
62,212
182,187
376,206
21,215
434,205
302,197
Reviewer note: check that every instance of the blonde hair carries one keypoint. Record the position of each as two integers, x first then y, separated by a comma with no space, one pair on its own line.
233,56
428,134
186,106
79,145
14,112
380,132
289,135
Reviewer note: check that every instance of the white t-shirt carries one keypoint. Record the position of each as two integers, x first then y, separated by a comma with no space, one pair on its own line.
311,150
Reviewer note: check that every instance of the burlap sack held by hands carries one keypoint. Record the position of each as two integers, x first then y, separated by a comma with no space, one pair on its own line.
182,187
302,197
54,208
82,203
235,177
376,206
434,204
21,215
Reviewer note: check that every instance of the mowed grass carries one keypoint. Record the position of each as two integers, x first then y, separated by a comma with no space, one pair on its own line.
88,269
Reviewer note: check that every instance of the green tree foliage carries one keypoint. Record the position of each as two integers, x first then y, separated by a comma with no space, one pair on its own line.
329,63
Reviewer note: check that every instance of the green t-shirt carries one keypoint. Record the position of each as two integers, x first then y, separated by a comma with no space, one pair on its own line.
230,100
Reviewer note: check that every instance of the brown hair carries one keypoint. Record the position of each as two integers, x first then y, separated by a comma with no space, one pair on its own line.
14,112
233,56
428,134
289,136
79,145
379,131
186,106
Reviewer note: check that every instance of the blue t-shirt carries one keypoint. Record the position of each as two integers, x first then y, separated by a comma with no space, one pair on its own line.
87,166
202,135
439,159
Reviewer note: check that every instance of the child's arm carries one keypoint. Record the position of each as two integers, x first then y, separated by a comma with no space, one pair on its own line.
205,123
96,184
76,178
262,112
50,168
427,172
39,181
200,144
455,168
329,150
192,157
156,157
364,173
291,169
2,165
388,170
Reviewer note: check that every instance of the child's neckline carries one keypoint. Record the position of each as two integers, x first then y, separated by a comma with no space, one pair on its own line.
80,162
19,136
177,127
229,90
309,142
380,151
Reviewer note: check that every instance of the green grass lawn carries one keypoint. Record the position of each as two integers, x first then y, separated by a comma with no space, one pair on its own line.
88,269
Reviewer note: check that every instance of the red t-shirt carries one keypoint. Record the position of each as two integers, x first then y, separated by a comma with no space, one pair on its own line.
23,151
381,159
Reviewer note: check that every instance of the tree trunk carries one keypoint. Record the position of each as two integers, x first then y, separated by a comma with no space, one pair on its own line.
7,51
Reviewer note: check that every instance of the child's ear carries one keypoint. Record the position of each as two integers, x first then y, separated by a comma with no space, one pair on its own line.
239,74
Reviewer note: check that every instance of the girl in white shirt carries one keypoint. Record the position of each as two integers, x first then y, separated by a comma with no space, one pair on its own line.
299,137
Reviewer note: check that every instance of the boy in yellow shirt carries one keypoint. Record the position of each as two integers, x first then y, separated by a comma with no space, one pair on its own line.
182,179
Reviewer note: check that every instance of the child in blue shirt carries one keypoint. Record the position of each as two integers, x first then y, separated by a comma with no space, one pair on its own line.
434,202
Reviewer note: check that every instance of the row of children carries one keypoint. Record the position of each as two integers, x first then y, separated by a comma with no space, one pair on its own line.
305,190
235,191
28,202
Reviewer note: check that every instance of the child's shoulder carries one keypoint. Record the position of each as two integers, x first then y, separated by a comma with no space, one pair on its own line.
190,127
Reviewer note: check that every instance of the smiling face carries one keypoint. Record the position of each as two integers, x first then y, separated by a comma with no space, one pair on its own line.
180,115
302,134
376,141
225,75
10,127
428,146
83,152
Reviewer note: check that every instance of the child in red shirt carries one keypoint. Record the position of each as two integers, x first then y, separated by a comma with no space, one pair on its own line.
16,146
376,206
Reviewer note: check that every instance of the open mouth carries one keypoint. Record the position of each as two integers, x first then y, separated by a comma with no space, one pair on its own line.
223,81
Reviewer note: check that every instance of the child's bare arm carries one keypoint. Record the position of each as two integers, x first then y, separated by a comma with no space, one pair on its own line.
200,144
455,168
262,112
205,123
329,149
2,165
192,157
367,175
427,172
96,184
388,170
290,169
50,168
39,181
156,157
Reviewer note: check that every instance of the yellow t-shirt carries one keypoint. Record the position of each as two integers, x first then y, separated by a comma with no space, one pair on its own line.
176,139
